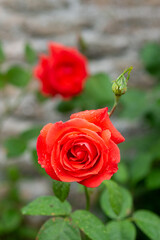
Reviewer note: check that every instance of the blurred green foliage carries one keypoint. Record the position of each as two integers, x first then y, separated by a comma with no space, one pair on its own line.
150,55
30,54
18,76
12,225
16,146
2,54
97,93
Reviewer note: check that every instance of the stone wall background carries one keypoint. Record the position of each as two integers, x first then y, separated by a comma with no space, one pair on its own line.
114,30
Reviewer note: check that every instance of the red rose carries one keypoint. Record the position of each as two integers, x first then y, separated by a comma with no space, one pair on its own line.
63,72
83,149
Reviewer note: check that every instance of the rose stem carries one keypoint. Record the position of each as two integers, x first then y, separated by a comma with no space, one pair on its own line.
87,198
115,105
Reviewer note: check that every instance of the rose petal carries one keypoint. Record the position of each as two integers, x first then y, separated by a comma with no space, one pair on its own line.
100,118
114,152
96,180
111,168
43,72
106,135
69,70
43,155
49,170
61,128
41,144
62,174
66,143
94,116
54,49
92,171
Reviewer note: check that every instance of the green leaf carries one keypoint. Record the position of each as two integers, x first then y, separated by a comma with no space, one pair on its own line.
153,179
30,54
89,224
13,174
120,230
40,97
140,167
82,45
122,175
9,221
2,80
125,207
115,196
27,232
47,206
134,104
155,149
61,189
99,87
65,106
150,55
18,76
14,194
58,229
148,222
140,143
2,55
31,133
96,94
15,147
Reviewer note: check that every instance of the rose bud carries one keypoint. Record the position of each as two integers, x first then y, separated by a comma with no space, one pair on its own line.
63,71
83,149
119,86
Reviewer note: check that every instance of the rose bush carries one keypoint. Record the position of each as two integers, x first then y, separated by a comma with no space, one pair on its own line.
83,149
63,71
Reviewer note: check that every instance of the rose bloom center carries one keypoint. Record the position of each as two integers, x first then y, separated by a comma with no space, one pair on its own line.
82,154
65,69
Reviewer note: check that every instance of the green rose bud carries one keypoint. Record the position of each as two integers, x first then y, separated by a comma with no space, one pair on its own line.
119,86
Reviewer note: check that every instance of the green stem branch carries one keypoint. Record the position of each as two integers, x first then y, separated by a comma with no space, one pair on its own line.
115,105
87,198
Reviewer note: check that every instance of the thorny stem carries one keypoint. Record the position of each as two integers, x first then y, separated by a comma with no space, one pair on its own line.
115,105
87,198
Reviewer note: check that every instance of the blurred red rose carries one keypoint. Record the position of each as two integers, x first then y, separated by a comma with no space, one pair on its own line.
83,149
63,71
